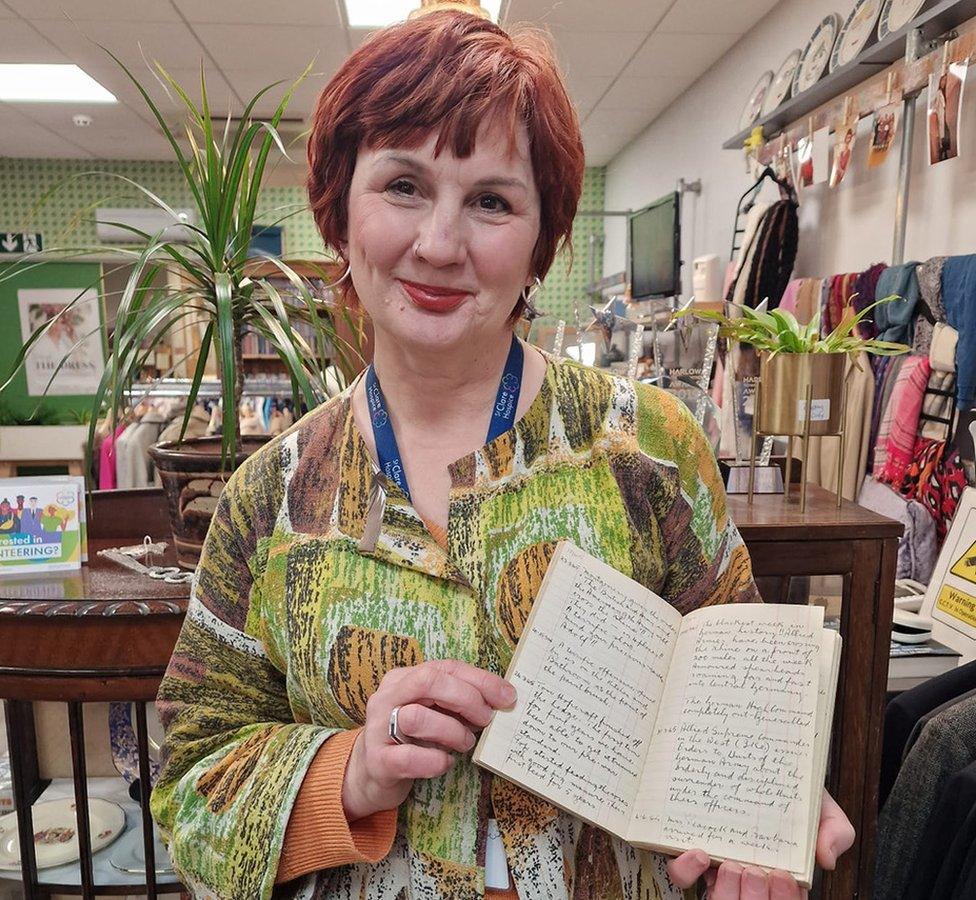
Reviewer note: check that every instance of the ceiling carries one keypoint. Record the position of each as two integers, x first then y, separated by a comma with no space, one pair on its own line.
625,61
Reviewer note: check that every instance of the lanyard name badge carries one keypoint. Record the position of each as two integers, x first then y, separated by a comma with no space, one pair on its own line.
502,415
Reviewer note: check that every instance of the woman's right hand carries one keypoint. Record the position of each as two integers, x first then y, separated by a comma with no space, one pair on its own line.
442,704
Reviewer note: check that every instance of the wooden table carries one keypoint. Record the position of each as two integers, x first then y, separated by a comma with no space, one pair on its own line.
100,634
862,547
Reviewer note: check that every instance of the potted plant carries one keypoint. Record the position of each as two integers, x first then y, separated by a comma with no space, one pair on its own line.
211,278
794,356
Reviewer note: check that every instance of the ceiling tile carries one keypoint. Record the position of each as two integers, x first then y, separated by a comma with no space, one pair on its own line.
274,48
22,137
584,92
601,53
590,15
715,16
6,12
679,56
20,42
260,12
172,44
648,96
104,10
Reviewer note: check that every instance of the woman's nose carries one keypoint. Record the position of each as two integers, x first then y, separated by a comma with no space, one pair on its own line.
441,240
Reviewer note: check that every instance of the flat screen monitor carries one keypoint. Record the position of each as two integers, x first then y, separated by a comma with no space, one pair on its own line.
655,249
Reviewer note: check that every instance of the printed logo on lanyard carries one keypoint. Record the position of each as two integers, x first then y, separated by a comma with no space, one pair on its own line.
502,417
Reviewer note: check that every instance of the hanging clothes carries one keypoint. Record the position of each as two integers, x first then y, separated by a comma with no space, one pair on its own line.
195,427
930,308
865,290
936,478
788,301
808,299
107,478
959,299
918,546
902,414
894,320
767,255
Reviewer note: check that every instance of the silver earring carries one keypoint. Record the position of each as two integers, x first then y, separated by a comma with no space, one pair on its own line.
342,278
531,313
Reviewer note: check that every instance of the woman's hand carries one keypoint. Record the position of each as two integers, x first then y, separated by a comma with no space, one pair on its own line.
442,704
731,881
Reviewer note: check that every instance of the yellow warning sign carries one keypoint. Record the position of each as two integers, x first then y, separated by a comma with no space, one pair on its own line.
957,604
965,566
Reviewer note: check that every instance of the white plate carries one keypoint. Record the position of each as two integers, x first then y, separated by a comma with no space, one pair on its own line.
129,855
855,32
754,104
816,56
779,90
55,832
896,14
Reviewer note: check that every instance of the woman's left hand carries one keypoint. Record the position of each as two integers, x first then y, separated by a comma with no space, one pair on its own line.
731,881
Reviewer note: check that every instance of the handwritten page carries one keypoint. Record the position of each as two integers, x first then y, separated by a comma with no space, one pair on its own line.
590,672
730,767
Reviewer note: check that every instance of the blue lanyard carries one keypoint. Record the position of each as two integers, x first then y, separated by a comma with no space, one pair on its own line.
502,415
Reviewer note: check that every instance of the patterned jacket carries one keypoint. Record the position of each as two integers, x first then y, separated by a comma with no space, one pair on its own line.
290,629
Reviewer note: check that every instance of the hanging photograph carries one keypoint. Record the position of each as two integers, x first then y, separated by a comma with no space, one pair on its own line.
883,131
82,371
804,161
821,155
944,112
844,140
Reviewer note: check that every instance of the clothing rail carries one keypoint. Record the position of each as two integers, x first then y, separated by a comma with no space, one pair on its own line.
165,388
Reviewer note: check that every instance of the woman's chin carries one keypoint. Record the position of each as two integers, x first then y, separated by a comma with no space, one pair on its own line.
419,329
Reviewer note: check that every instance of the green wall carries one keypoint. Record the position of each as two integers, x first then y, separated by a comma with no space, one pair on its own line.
67,217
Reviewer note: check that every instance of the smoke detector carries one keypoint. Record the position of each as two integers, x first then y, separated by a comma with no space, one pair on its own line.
81,120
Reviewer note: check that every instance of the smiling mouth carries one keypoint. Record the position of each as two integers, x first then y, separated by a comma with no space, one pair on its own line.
431,298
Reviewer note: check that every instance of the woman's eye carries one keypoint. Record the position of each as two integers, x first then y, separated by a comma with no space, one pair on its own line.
492,203
403,187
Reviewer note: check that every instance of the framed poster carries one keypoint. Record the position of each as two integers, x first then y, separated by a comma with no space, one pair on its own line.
76,331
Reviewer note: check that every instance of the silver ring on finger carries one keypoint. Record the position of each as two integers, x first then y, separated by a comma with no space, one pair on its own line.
393,731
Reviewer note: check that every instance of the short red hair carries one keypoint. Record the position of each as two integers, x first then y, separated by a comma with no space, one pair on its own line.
448,72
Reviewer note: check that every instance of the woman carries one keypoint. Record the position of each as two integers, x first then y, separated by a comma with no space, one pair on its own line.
347,631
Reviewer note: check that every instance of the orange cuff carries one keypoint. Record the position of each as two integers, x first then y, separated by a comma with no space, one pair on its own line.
318,835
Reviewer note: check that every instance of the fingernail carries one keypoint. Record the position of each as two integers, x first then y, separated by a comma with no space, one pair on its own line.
733,868
754,879
701,858
509,694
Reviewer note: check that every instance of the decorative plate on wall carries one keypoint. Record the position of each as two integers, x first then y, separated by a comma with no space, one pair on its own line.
816,56
896,14
754,104
779,90
855,32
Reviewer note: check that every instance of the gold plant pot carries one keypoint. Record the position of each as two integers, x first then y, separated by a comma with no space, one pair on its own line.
784,379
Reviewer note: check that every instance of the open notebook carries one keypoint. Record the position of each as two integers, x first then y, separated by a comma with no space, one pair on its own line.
705,731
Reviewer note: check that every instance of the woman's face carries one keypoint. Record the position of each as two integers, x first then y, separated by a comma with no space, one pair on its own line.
440,248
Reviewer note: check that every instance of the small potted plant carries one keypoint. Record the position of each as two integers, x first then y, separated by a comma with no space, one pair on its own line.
793,356
211,277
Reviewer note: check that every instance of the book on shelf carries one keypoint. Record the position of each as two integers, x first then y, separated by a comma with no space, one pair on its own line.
709,730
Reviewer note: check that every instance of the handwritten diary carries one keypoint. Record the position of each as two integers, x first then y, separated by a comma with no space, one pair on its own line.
708,731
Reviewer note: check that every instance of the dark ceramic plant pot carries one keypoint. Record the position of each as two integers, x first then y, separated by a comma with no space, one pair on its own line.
192,480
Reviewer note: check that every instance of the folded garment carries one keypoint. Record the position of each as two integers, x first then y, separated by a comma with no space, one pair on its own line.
942,349
936,479
959,299
788,303
881,415
865,289
894,320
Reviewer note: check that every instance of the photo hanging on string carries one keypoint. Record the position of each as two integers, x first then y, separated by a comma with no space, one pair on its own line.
883,131
844,139
804,161
944,112
821,155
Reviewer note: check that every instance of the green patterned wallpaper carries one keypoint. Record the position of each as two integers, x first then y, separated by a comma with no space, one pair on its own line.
67,218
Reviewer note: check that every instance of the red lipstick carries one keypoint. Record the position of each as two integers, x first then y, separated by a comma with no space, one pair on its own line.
432,298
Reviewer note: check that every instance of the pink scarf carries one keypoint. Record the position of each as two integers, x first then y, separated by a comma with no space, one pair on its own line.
901,416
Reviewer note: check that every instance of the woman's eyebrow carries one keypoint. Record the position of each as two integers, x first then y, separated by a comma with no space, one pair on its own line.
411,162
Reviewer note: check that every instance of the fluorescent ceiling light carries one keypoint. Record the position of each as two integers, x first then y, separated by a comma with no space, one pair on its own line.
35,83
377,13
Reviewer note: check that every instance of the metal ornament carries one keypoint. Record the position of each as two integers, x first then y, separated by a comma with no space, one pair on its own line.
606,321
531,313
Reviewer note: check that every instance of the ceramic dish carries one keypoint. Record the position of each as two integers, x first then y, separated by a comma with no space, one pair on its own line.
779,90
855,32
816,56
122,736
55,832
754,104
896,14
129,855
